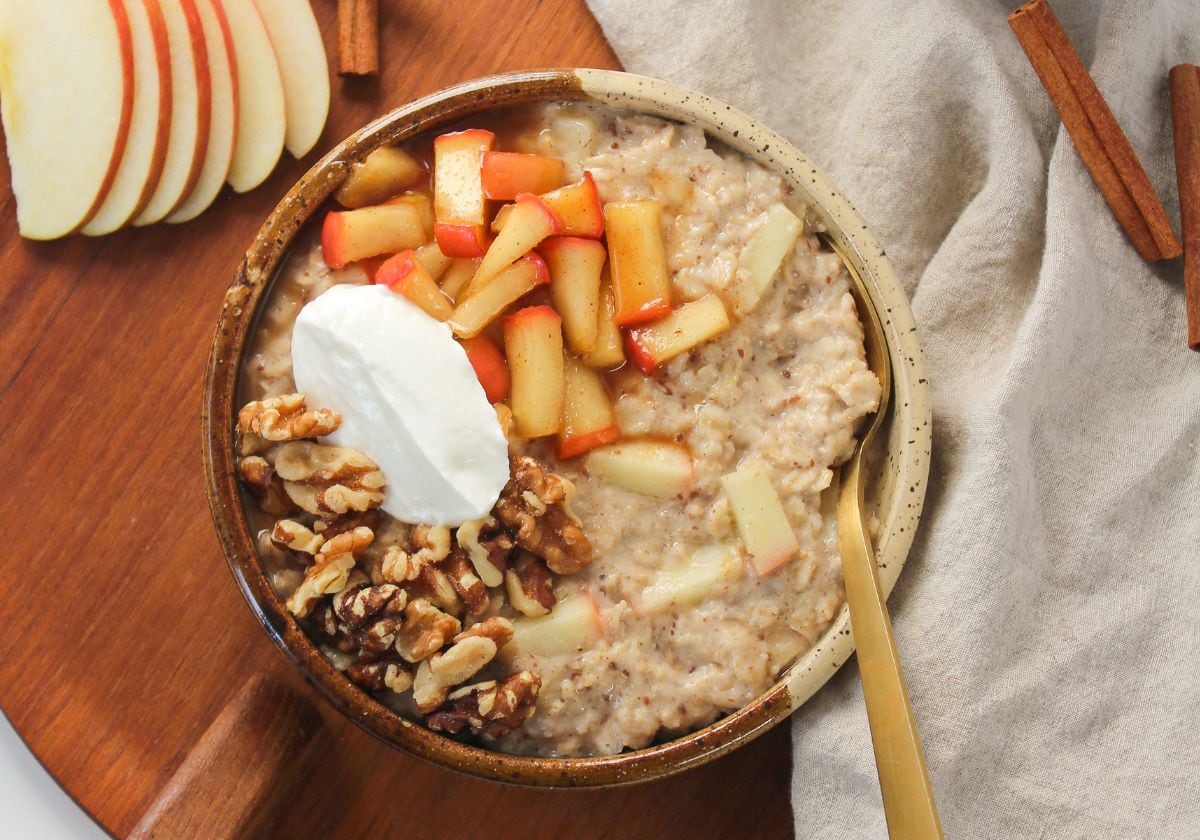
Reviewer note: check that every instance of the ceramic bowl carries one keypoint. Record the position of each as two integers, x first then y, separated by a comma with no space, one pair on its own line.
898,487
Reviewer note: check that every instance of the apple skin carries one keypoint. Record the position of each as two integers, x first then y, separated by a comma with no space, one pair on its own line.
487,359
638,354
530,221
507,175
404,273
476,308
462,241
688,326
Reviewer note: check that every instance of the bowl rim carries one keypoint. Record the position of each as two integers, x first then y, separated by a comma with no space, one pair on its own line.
908,448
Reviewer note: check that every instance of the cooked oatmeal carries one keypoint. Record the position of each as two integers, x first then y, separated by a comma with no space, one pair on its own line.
781,390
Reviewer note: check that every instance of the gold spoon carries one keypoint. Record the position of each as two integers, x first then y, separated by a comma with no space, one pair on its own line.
908,800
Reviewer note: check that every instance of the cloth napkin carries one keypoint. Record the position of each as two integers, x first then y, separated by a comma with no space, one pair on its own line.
1048,616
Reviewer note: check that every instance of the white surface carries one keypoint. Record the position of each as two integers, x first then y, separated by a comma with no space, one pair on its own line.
31,802
409,399
1048,617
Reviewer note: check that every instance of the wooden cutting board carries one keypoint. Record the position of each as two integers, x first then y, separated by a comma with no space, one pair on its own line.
125,637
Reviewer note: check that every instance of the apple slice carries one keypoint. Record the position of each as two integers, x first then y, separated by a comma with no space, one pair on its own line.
507,175
351,235
529,222
761,521
191,108
688,585
223,112
149,123
488,361
579,207
420,202
463,241
457,276
475,311
66,94
435,262
588,419
610,351
404,273
650,467
458,201
688,326
303,69
534,347
638,261
380,175
575,266
574,625
768,246
501,218
262,117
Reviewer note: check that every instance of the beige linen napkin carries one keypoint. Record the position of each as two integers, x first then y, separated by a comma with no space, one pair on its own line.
1048,618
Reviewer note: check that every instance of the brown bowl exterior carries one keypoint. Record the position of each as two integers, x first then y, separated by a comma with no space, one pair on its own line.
907,455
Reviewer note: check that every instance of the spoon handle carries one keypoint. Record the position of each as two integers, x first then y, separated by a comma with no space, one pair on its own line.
908,800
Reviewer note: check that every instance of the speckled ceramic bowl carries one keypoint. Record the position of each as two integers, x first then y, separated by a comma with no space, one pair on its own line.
898,488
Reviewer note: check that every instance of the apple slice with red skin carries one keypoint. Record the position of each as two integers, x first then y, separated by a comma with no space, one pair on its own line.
575,266
529,222
303,69
379,176
638,261
760,518
459,204
351,235
474,310
507,175
651,467
686,327
610,345
487,359
588,419
534,346
370,266
403,273
462,241
262,117
435,262
457,275
573,625
579,207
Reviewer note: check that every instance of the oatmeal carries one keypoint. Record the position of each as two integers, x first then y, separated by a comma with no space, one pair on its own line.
643,573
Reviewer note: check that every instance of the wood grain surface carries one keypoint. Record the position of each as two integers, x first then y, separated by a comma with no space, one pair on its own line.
125,635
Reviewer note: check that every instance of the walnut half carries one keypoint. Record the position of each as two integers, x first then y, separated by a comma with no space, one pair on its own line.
438,674
534,506
489,708
330,570
329,480
285,418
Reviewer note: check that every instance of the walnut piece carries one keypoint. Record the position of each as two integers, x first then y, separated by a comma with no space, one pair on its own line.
489,708
528,586
285,418
330,570
430,545
425,631
440,672
378,675
258,476
489,546
466,583
534,506
496,628
372,614
290,535
329,480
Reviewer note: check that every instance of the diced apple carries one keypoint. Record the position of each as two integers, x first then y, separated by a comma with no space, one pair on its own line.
404,273
579,207
574,625
688,326
650,467
638,261
378,177
575,266
501,218
370,265
433,259
768,246
708,569
457,275
463,241
487,360
350,235
588,419
420,202
457,180
475,311
508,174
529,222
610,351
761,521
534,347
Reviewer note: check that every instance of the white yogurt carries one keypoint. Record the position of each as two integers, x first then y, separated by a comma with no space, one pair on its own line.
409,399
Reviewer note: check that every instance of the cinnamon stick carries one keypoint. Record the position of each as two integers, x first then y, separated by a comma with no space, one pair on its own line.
1098,137
358,37
1185,116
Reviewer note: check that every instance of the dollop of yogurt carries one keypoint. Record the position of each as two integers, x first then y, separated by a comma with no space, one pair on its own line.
409,399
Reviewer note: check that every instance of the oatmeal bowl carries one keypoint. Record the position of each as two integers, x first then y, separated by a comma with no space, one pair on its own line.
523,423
